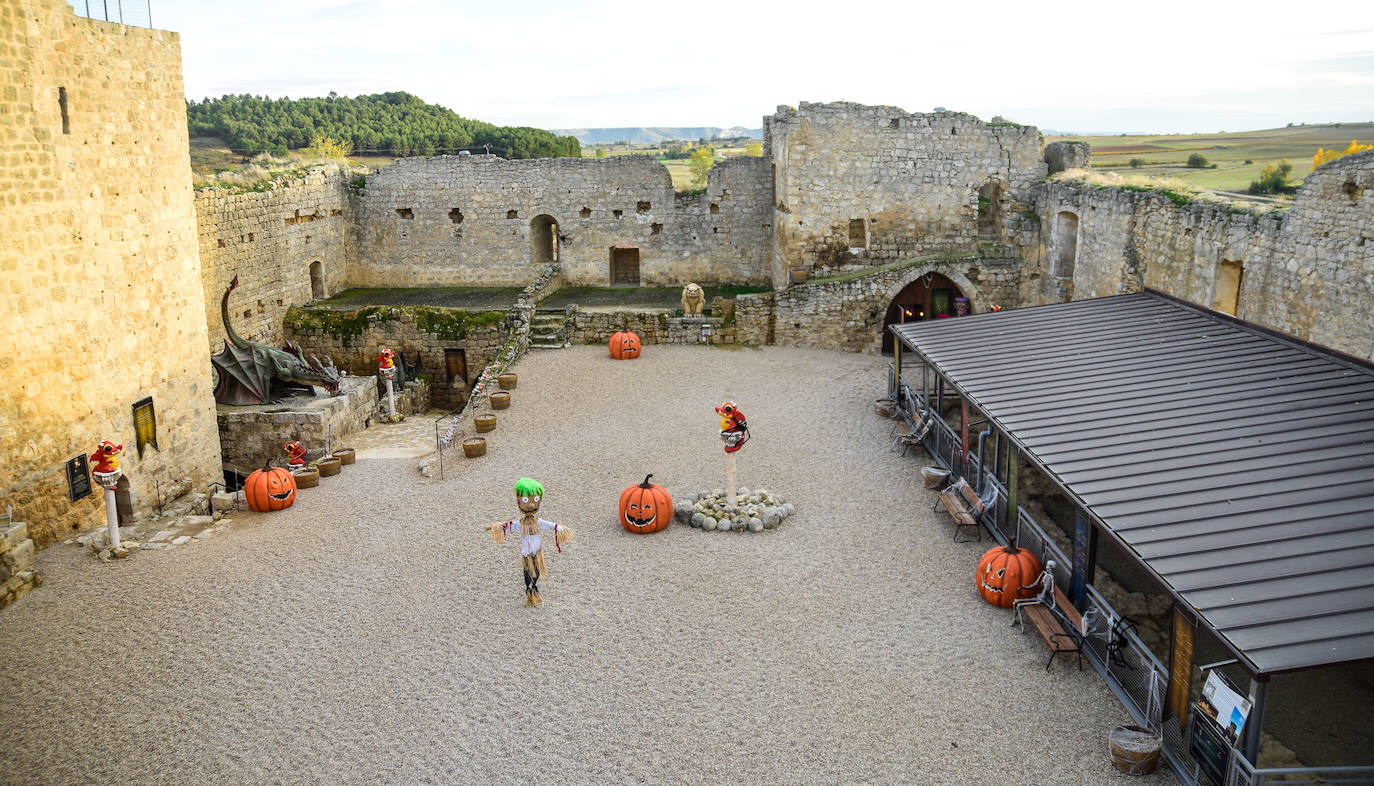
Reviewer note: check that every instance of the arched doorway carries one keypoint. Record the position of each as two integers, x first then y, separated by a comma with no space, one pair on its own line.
932,296
543,239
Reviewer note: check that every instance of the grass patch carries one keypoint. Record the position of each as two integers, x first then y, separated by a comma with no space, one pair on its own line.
1174,189
470,298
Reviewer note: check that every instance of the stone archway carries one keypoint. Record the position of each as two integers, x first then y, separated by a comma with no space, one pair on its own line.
927,294
543,239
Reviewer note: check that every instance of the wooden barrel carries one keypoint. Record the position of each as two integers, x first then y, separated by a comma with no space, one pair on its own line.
474,447
329,466
346,455
1135,751
307,478
484,423
507,380
500,400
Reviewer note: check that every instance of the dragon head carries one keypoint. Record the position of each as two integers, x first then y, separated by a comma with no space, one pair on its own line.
326,376
384,360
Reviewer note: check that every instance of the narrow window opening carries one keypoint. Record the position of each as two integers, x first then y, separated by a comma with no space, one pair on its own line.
894,123
655,229
1065,244
405,212
858,233
585,212
221,242
642,207
1226,290
617,213
252,236
455,215
317,281
714,208
512,214
1351,191
62,104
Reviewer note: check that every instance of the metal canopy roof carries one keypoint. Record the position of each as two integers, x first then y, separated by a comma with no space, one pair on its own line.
1239,465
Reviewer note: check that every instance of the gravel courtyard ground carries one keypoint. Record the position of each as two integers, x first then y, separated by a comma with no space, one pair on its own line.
373,633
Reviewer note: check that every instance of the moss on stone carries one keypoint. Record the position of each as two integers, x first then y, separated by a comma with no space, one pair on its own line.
452,324
449,324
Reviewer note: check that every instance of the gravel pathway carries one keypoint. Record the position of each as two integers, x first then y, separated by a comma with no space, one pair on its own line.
373,633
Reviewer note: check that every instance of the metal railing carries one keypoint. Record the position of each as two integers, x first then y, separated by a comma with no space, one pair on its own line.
134,13
1243,773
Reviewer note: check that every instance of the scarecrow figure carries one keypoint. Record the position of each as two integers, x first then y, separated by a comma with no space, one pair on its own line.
528,494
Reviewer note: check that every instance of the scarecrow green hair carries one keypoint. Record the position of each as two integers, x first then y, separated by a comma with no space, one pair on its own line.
528,486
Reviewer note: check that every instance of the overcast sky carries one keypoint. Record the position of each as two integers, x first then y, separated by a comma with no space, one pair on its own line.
1199,66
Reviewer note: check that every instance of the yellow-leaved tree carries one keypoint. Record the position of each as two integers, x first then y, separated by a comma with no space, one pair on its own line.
1327,156
327,148
703,158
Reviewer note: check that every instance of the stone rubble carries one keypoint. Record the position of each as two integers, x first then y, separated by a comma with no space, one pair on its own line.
753,511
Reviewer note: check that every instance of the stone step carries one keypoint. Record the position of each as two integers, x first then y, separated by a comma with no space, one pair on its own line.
548,346
547,337
14,534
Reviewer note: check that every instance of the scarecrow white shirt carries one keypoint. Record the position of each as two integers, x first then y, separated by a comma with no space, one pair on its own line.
530,544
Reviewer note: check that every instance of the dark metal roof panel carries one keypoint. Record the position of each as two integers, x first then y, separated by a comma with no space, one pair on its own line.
1238,464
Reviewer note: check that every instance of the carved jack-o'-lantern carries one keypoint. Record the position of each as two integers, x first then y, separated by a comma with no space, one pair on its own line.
645,507
624,345
270,488
1004,573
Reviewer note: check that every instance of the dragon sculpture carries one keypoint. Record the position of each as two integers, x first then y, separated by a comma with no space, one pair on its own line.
249,373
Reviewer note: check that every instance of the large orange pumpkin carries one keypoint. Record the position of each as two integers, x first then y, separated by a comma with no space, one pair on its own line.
1003,574
270,488
645,507
624,345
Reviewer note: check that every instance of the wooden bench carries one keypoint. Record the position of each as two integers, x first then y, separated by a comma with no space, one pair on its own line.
964,507
1052,630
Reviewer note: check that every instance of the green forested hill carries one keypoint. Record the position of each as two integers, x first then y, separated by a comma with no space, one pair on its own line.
387,123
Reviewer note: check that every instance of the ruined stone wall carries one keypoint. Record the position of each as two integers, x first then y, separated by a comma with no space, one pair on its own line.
403,330
479,220
846,312
1308,272
867,185
98,263
271,240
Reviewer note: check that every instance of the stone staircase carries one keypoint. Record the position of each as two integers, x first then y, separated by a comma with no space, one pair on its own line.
549,330
17,574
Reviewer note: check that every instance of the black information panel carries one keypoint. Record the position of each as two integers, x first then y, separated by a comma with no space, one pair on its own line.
78,478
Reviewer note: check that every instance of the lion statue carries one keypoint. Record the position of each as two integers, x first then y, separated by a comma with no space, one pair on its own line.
693,300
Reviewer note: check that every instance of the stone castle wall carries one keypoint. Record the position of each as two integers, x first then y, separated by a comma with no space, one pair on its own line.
465,220
98,261
1308,272
846,312
402,329
867,185
272,240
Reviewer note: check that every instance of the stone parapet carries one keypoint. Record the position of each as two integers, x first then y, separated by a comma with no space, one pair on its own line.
251,435
17,573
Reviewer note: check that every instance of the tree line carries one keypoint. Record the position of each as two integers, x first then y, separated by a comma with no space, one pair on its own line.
397,124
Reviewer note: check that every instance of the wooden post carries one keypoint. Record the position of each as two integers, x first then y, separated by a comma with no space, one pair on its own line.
1013,460
729,478
963,431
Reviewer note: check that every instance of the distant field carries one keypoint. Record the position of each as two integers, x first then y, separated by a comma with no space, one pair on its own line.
678,168
1167,155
